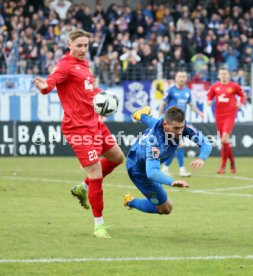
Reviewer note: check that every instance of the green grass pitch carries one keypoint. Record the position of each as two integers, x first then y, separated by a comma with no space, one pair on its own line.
39,219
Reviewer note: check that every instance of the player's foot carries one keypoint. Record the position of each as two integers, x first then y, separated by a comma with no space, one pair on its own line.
222,170
165,170
232,169
79,192
144,110
127,198
183,172
101,232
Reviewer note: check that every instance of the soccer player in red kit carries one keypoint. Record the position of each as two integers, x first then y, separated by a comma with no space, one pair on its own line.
226,106
89,137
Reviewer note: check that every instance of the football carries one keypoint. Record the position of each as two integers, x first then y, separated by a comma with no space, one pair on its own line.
105,103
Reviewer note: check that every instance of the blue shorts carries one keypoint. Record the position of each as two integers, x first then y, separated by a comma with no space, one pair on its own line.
152,190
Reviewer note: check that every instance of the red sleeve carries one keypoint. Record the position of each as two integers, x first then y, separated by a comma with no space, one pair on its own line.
97,90
58,75
211,93
240,93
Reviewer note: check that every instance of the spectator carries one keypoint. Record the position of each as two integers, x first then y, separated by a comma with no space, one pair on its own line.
10,56
184,24
200,65
61,7
230,56
179,32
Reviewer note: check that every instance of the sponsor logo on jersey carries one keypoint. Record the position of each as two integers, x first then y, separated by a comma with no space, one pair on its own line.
78,67
222,98
88,83
217,89
155,152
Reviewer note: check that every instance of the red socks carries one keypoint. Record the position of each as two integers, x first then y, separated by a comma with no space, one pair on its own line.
226,152
107,167
95,195
231,156
95,191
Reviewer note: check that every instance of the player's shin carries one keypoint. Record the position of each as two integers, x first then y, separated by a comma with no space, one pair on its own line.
224,154
180,157
143,205
107,168
95,195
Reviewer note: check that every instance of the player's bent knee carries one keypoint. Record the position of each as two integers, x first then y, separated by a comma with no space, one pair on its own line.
165,209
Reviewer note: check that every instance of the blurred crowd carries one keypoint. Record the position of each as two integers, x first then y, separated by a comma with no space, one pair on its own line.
140,43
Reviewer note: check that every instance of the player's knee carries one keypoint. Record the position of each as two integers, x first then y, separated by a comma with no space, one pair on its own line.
165,209
121,157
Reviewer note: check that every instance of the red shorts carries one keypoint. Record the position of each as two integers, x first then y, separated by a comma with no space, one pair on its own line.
225,123
88,148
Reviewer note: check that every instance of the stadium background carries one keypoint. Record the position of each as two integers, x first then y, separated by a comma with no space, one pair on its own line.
135,51
43,230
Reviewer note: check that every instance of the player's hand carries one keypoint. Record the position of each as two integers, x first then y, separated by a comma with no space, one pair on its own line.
40,83
180,184
209,103
201,114
239,105
197,163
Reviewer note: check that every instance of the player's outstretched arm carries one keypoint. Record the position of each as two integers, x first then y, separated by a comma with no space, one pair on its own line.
198,138
180,184
154,173
40,83
196,110
161,109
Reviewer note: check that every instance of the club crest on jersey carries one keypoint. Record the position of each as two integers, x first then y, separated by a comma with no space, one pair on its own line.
230,90
155,152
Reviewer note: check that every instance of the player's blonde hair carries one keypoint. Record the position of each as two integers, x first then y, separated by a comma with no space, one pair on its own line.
73,35
223,68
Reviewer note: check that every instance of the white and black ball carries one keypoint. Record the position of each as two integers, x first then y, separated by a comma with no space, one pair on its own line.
105,103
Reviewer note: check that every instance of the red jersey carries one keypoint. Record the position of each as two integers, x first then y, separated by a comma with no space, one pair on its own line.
225,97
74,82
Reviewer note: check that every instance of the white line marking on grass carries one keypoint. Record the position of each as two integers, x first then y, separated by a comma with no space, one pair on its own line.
209,192
230,188
36,179
126,187
127,259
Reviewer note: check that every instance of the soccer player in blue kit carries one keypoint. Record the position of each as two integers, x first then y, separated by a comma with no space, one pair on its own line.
178,95
155,146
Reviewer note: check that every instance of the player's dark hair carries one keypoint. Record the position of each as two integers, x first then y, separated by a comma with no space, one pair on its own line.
174,114
73,35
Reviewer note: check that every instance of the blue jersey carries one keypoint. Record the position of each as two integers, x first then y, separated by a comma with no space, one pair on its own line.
178,97
155,147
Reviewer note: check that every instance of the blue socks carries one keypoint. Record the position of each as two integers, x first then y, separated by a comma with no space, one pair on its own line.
143,205
169,160
180,157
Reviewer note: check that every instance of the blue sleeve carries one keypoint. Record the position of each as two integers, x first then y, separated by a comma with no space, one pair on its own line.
168,96
190,97
148,120
199,139
153,164
154,173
